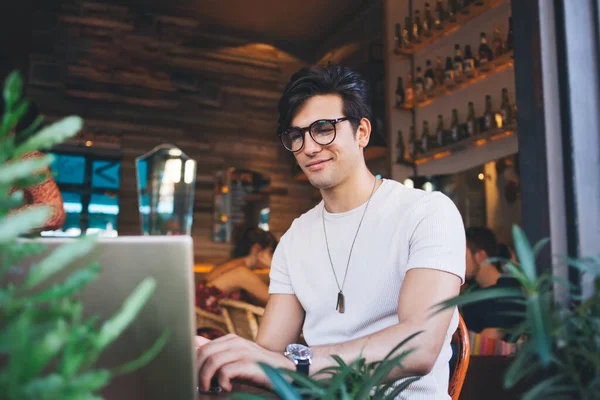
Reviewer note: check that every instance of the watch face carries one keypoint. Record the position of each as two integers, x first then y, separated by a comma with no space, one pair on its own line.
299,352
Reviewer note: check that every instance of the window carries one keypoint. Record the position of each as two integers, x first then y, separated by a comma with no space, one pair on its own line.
89,184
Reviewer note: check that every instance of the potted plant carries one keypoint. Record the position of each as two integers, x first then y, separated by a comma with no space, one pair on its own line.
47,349
560,356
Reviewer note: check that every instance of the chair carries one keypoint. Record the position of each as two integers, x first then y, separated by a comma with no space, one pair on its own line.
461,340
241,318
208,320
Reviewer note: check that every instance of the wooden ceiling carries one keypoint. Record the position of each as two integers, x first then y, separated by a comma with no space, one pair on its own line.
305,29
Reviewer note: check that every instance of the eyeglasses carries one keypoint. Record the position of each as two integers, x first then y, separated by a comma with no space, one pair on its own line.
321,131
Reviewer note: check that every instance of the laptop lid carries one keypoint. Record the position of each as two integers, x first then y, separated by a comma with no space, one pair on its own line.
125,262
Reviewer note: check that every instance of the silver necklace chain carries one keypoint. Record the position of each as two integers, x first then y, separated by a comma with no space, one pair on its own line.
341,288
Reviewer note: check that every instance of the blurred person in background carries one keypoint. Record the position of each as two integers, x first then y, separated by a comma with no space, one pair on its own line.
488,317
45,192
235,279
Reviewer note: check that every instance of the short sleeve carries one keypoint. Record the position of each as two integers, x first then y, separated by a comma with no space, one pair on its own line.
438,236
279,276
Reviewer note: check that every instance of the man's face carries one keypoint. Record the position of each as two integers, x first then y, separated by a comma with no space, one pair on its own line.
330,165
472,265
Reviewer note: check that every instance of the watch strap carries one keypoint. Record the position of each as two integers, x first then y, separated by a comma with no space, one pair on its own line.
302,367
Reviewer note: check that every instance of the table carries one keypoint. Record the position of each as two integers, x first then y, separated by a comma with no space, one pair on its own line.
238,388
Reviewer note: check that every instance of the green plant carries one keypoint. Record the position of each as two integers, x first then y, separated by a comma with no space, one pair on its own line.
357,380
560,357
47,349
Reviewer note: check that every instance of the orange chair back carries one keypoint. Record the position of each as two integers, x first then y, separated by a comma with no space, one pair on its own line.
461,340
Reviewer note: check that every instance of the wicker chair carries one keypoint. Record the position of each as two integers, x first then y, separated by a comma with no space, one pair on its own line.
461,340
241,318
208,320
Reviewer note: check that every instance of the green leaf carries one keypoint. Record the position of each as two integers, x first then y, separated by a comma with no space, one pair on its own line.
112,328
584,266
144,358
523,366
339,360
284,389
14,225
247,396
543,388
524,253
58,259
51,135
400,387
540,245
518,274
70,286
15,171
46,387
401,344
13,87
41,352
11,119
78,345
480,295
315,387
89,381
538,314
15,200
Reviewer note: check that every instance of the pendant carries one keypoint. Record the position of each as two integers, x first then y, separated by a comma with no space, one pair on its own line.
340,303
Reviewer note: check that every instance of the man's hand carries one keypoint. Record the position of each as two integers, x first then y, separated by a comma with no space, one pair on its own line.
232,357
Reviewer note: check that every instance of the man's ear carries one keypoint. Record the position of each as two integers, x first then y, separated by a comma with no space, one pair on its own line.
481,256
363,133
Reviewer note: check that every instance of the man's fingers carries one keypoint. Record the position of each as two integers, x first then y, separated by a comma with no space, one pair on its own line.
200,341
214,363
248,371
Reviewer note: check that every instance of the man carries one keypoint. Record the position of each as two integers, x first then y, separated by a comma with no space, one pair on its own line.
362,270
490,317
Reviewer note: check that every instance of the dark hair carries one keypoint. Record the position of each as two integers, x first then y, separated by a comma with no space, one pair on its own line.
321,80
480,238
249,238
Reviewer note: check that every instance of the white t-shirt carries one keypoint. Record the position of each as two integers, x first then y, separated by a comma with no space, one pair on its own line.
403,229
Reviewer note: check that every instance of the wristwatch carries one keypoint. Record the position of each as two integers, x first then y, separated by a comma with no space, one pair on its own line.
300,355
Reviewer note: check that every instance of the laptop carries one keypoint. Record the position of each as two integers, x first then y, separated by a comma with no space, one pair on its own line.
125,262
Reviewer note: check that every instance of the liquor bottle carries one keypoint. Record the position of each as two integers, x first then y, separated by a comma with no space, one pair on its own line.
400,148
440,15
413,143
398,38
510,39
408,36
458,63
468,62
409,91
506,108
485,53
429,77
419,84
439,71
417,27
428,21
440,132
449,72
426,144
472,128
497,42
489,117
453,10
455,130
400,93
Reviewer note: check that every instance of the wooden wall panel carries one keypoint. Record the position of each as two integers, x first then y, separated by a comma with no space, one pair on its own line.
156,79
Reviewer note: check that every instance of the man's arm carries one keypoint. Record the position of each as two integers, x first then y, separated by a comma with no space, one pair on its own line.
421,291
282,322
234,357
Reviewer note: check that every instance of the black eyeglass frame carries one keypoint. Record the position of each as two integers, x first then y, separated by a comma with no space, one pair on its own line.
333,122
